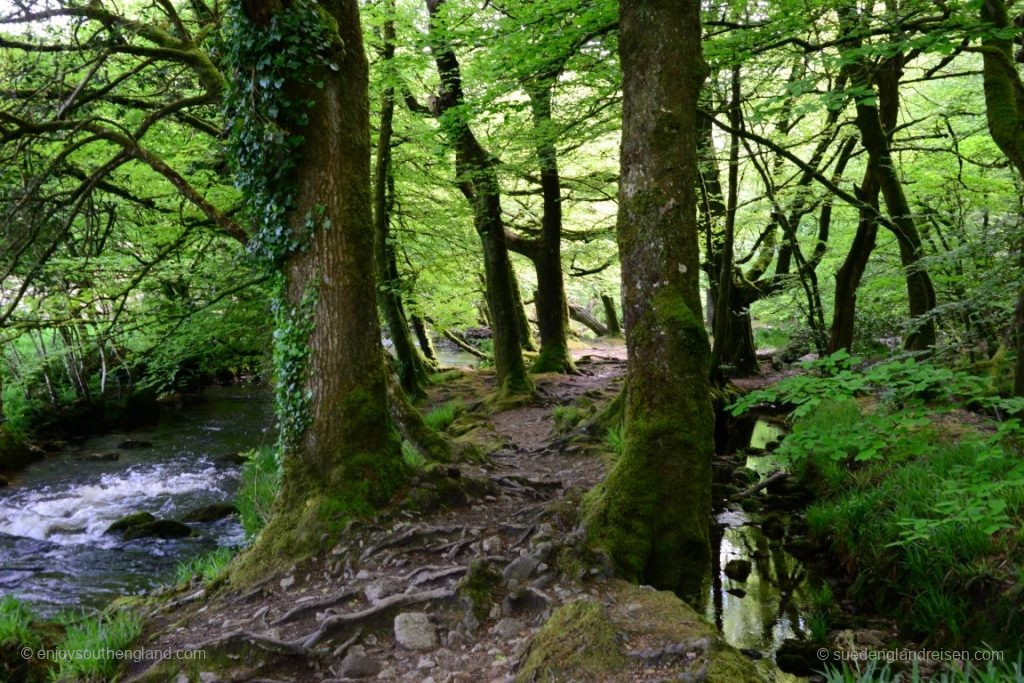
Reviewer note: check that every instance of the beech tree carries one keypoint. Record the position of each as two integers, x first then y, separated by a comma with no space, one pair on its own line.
301,143
652,512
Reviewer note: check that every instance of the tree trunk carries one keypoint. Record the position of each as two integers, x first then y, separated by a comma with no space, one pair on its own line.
478,181
522,321
583,316
423,337
412,370
652,512
552,307
849,274
1004,108
340,451
610,316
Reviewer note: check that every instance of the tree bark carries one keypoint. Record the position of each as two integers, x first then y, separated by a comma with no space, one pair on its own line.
610,316
583,316
849,274
423,337
1004,109
345,458
478,181
412,370
652,512
552,306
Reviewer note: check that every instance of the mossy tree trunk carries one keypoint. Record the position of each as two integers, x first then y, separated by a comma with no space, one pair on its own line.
478,182
850,273
652,512
1004,107
342,456
522,321
412,369
871,116
425,342
552,306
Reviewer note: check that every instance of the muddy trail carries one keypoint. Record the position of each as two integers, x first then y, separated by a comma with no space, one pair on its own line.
455,581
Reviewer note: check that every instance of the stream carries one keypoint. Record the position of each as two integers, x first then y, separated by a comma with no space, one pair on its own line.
54,552
772,604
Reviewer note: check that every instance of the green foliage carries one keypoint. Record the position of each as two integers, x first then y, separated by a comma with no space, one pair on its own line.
971,672
616,438
412,457
293,325
921,518
441,417
900,381
261,480
96,634
16,624
566,417
205,567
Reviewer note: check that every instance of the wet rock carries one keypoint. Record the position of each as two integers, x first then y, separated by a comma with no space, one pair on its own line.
738,592
773,527
524,602
413,631
737,570
799,657
357,665
520,568
508,628
112,456
4,483
160,528
425,663
211,513
744,476
232,459
209,677
134,444
129,521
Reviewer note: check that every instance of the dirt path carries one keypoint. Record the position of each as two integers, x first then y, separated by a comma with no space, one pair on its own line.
474,561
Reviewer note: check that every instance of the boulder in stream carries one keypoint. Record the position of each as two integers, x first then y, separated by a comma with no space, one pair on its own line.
130,521
100,457
134,444
211,513
737,570
161,528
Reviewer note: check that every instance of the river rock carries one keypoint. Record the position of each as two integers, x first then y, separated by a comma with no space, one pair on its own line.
773,527
357,665
520,568
100,457
161,528
211,513
800,657
134,444
4,483
129,521
413,631
232,458
737,570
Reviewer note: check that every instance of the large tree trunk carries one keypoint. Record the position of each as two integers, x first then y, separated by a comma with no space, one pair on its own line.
340,451
849,274
1004,107
478,181
552,307
652,512
412,370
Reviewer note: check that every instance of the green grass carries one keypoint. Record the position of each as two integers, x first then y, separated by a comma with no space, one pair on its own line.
928,526
412,457
566,417
261,479
205,567
95,634
16,623
441,417
980,672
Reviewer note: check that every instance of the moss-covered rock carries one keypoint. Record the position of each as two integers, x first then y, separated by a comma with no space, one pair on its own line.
638,629
15,453
130,521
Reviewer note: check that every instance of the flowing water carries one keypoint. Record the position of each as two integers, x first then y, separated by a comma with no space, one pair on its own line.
54,552
773,603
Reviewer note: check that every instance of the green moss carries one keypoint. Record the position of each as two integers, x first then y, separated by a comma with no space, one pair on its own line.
14,451
478,586
553,358
576,643
650,513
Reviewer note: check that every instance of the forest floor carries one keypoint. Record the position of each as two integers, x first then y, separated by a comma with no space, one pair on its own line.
455,581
